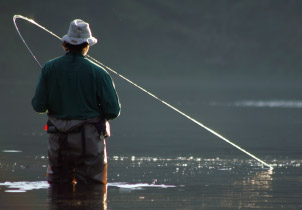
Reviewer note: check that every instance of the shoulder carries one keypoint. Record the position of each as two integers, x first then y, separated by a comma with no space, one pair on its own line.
98,69
53,62
56,60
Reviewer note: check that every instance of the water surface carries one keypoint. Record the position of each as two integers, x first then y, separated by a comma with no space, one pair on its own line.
160,160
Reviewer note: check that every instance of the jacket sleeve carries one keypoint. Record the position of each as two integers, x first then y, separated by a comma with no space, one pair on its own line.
39,101
108,98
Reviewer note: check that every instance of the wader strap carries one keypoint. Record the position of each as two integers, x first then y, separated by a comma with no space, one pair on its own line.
83,141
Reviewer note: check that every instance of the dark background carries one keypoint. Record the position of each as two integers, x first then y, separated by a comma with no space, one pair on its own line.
204,39
189,53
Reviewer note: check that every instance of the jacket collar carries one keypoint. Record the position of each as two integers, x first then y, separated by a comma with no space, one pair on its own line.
74,54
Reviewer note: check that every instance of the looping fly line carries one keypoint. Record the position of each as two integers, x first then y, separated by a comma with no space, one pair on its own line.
139,87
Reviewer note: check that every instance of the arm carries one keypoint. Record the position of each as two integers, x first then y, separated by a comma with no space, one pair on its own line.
39,102
108,97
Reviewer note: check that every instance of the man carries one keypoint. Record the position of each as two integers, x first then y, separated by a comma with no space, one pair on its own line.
79,97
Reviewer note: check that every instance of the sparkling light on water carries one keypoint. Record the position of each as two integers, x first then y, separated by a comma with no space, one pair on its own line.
18,187
11,151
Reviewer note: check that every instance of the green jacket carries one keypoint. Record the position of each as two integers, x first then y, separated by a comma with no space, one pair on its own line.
73,87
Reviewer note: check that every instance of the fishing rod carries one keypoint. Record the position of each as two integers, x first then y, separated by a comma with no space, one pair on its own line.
138,86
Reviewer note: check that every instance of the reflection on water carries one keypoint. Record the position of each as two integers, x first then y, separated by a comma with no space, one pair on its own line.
217,183
24,186
165,183
262,104
270,104
27,186
67,197
257,188
12,151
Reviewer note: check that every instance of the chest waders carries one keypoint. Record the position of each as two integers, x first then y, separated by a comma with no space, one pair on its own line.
76,154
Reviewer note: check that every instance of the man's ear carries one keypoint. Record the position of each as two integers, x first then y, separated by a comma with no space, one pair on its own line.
64,47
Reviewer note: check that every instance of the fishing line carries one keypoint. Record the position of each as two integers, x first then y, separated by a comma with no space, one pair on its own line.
139,87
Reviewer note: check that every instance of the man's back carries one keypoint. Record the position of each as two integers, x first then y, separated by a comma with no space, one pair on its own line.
73,87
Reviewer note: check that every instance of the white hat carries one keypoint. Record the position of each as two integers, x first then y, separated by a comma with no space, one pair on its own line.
78,33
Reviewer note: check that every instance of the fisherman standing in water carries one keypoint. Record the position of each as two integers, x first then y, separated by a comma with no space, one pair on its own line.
79,97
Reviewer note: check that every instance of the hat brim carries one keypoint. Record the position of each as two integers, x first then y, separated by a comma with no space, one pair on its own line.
77,41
